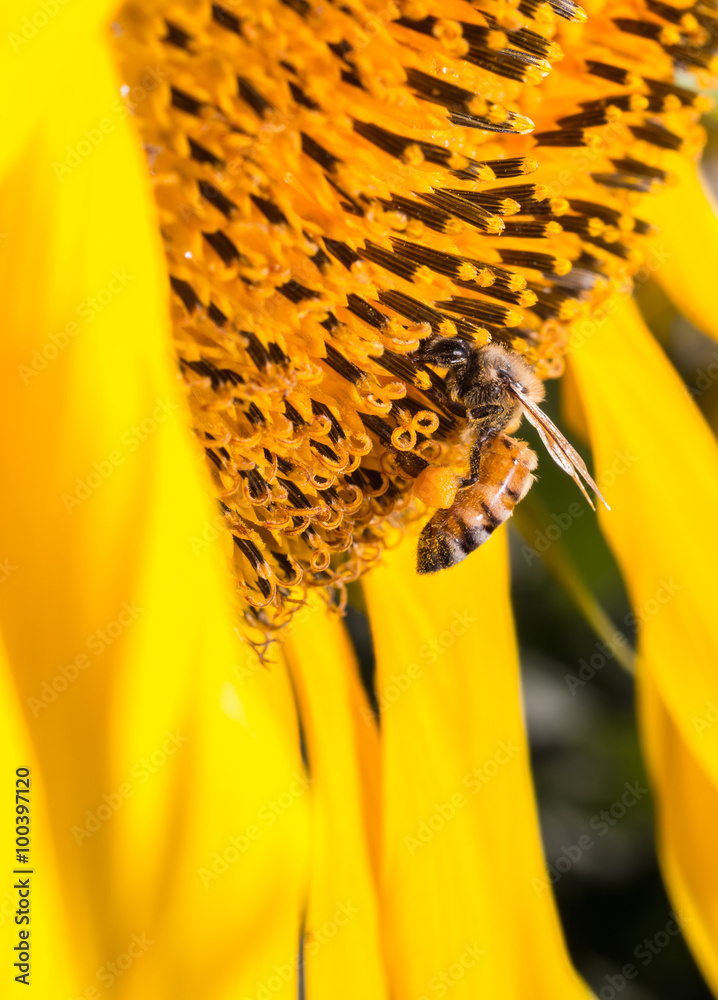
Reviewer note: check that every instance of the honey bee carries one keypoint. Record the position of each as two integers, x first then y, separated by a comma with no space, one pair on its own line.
493,388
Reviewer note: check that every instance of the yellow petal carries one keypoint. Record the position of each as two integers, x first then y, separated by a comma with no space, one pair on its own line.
342,743
157,740
659,464
687,807
43,926
572,413
683,257
465,895
37,40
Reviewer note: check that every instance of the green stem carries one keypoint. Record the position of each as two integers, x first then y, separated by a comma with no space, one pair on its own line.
531,517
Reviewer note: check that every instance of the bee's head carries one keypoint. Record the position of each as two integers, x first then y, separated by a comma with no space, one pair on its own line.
501,368
492,401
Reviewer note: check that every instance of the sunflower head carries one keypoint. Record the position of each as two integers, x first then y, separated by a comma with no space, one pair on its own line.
340,186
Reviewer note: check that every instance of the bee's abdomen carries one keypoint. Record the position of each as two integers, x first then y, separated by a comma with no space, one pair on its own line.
446,540
505,477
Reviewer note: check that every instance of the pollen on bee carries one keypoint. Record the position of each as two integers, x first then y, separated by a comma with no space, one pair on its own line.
437,486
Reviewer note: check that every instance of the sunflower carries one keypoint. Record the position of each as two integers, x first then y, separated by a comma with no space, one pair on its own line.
328,189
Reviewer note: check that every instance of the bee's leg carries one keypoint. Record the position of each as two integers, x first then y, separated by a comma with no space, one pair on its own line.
443,391
451,404
481,414
475,458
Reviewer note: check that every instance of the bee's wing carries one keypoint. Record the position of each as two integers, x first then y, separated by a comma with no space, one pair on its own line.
560,450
